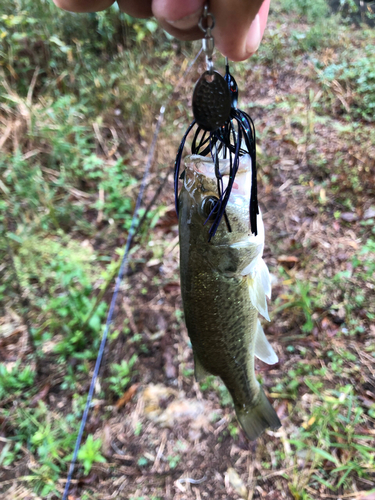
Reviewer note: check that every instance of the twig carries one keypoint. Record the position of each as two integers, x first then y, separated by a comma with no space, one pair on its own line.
29,98
99,136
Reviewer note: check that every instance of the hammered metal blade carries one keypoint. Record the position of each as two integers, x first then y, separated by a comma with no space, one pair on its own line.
211,101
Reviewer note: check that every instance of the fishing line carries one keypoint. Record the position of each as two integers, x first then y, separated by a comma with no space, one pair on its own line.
123,268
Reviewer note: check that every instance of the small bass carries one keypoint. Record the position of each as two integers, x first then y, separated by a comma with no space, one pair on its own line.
224,284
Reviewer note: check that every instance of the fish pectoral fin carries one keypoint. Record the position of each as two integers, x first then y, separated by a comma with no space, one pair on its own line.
199,371
263,349
255,419
258,295
264,277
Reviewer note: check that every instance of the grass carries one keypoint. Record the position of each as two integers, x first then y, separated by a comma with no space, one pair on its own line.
76,119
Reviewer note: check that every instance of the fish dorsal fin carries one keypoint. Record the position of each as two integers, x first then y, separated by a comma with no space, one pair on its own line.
260,287
263,349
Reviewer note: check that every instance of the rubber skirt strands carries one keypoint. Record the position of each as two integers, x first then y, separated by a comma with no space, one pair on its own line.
221,130
123,268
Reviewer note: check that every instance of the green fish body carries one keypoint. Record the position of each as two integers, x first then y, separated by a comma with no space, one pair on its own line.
224,284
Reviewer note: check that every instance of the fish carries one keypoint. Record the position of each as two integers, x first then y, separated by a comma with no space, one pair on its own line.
224,285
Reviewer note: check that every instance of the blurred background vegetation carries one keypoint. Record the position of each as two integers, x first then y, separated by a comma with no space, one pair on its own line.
79,96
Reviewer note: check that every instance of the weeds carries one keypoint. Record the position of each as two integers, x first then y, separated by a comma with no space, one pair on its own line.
59,173
350,83
301,297
335,433
89,453
121,375
15,381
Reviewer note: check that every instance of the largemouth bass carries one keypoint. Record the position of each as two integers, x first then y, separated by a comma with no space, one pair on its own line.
224,284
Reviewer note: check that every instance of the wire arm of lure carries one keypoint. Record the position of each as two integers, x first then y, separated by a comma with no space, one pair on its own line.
177,164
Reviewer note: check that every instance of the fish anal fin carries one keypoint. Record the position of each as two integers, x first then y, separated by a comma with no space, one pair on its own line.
256,419
263,349
199,371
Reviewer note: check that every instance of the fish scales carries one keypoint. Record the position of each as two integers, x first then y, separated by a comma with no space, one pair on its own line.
216,276
214,305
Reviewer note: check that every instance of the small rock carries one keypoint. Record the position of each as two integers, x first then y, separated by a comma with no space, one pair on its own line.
369,213
349,216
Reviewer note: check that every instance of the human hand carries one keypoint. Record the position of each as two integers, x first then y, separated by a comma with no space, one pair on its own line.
239,24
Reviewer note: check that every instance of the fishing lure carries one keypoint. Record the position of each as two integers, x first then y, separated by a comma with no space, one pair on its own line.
221,130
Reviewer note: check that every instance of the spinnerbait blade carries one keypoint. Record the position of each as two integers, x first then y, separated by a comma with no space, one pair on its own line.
221,131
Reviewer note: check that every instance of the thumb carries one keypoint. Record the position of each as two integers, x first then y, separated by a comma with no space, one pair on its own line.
239,24
239,28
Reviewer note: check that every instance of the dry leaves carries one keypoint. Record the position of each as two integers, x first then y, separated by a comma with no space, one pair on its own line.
127,396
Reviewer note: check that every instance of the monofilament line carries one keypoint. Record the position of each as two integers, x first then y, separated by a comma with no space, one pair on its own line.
122,271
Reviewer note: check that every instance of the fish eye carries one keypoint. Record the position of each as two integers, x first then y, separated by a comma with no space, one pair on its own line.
208,208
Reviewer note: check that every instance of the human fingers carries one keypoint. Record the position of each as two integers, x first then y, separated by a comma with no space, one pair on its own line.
136,8
83,5
239,24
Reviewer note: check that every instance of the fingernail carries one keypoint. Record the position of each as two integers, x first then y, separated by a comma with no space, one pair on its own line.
253,37
187,22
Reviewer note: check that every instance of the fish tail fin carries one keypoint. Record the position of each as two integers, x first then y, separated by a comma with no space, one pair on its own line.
254,420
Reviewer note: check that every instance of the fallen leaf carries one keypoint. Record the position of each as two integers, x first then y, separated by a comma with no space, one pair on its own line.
171,286
127,396
369,403
288,261
153,395
154,262
282,409
10,332
330,327
87,480
353,244
288,258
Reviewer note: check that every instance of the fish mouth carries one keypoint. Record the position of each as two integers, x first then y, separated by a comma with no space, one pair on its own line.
204,166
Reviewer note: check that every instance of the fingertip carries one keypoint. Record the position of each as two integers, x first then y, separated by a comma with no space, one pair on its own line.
247,38
182,15
263,16
253,37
